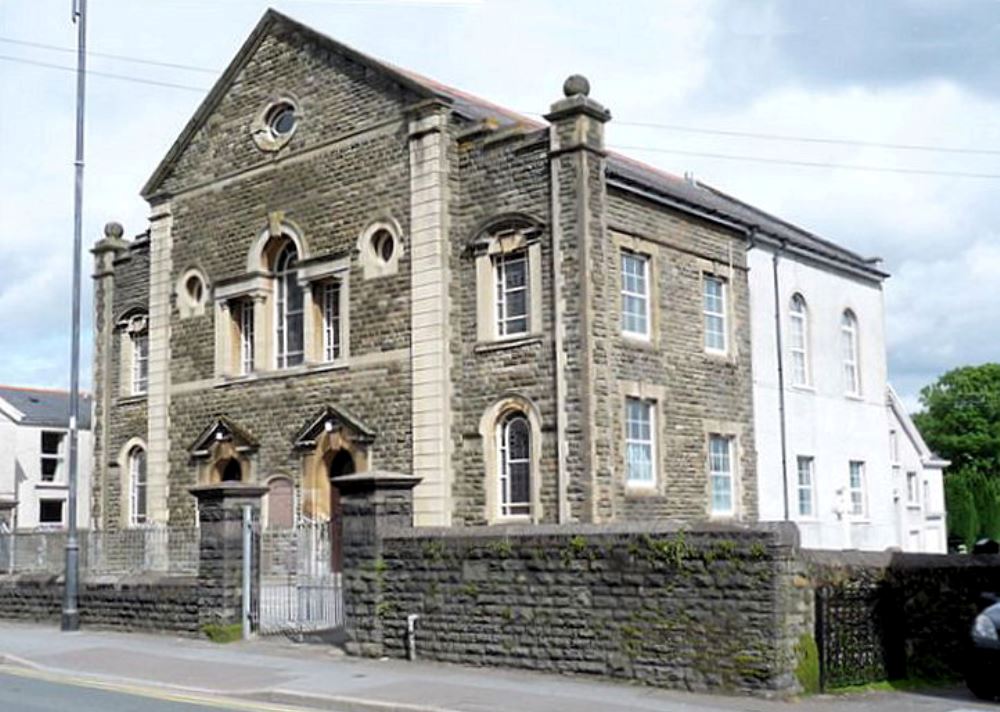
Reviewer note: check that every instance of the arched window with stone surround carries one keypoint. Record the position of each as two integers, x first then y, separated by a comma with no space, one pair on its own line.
512,434
514,459
288,308
138,487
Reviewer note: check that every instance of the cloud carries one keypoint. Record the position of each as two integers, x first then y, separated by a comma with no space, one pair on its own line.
894,71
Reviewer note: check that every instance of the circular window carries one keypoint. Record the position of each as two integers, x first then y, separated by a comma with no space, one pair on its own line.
383,245
194,288
281,120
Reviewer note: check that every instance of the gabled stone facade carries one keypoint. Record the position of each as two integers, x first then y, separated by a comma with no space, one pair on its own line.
417,378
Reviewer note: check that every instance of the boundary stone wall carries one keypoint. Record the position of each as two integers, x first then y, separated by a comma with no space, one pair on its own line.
160,604
924,608
700,609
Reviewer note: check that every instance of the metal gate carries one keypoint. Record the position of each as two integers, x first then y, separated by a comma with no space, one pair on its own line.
854,634
299,591
300,604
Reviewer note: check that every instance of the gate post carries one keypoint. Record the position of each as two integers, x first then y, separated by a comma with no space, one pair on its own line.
373,503
220,550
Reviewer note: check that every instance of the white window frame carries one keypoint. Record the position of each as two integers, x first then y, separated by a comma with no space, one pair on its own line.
56,457
913,488
627,257
894,445
62,513
808,488
333,320
247,329
140,363
798,341
719,471
502,293
286,279
636,442
850,353
711,316
857,503
138,486
504,502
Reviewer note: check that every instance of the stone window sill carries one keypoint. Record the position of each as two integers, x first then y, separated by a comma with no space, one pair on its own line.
51,485
639,342
484,347
129,400
304,370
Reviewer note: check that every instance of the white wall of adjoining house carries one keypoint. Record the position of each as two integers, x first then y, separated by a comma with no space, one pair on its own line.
20,456
922,519
7,433
822,422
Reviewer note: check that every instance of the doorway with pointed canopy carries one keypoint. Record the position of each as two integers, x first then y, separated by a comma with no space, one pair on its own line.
334,444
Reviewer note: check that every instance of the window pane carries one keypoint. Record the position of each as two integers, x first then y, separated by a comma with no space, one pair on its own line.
805,486
50,511
49,467
512,294
515,466
721,474
639,441
51,442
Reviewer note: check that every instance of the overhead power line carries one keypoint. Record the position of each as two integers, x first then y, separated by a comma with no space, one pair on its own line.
106,75
106,55
813,139
733,133
652,149
810,164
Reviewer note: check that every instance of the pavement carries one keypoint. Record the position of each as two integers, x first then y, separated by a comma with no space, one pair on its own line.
274,674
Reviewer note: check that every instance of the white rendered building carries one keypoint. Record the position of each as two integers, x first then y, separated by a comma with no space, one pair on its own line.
919,484
821,418
34,450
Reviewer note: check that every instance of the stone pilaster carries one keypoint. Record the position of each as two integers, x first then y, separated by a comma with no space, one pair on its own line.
372,502
578,199
105,251
158,395
430,277
220,563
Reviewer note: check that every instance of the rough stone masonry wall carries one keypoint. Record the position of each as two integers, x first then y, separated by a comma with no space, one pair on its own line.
126,417
924,606
346,166
496,178
145,603
701,610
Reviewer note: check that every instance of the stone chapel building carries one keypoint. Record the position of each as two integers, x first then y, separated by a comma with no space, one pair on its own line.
349,267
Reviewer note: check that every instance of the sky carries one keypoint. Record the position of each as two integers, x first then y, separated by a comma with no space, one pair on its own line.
864,74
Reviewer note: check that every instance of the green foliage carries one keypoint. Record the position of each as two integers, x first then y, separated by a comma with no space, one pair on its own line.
961,418
384,608
807,664
672,551
501,548
434,550
380,566
963,521
219,633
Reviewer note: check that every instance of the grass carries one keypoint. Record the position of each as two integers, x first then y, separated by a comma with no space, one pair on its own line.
218,633
903,685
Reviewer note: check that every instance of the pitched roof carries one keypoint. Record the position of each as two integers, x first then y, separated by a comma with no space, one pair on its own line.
42,407
624,171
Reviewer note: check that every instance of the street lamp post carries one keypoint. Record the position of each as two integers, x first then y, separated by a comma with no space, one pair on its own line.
70,612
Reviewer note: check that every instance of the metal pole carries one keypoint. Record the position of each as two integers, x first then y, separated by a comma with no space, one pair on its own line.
781,381
247,566
70,613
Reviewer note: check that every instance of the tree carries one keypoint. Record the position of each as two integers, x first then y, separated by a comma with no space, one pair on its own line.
962,519
961,418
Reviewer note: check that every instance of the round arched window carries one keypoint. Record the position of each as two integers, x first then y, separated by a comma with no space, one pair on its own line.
383,245
195,289
281,120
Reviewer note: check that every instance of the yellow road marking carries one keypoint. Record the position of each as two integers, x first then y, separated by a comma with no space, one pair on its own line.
151,692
